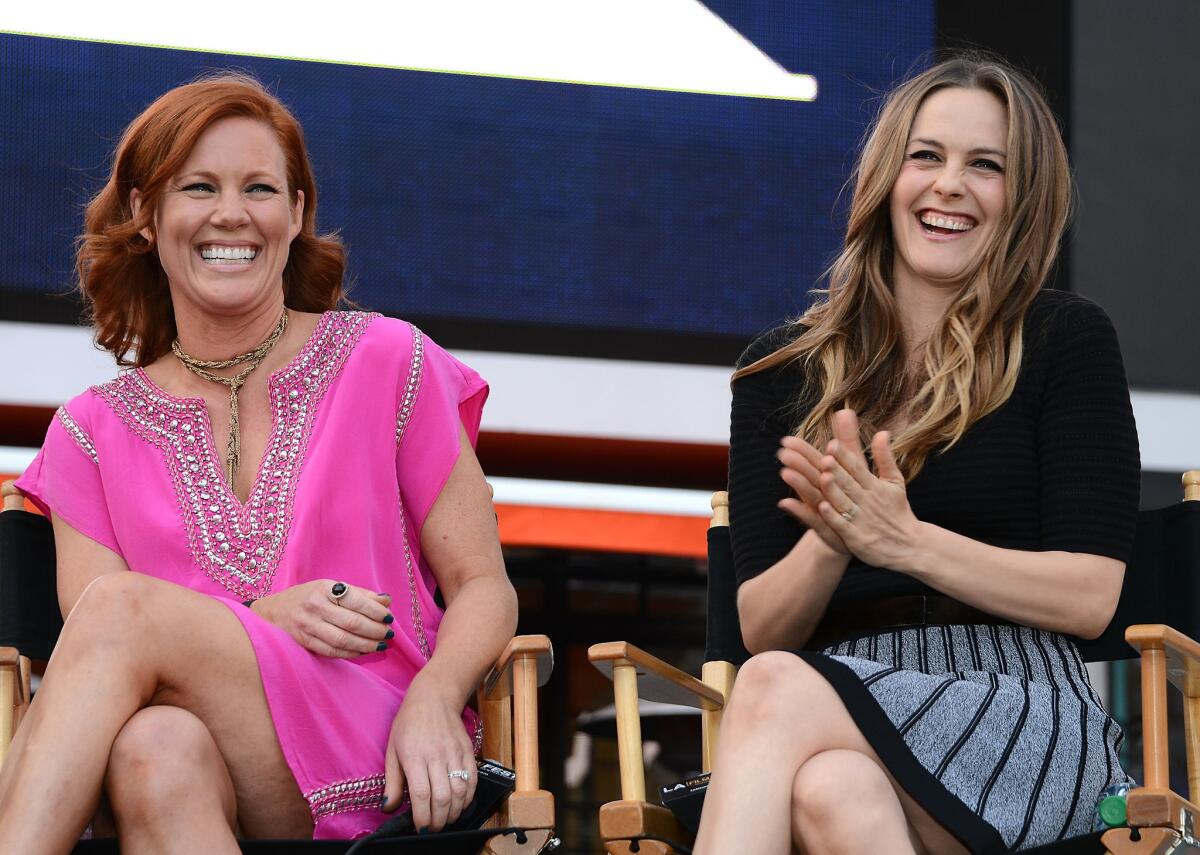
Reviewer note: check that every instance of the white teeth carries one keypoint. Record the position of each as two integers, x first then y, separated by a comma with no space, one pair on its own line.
235,254
943,223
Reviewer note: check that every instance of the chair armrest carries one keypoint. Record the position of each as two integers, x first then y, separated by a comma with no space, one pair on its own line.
1166,654
508,705
498,684
625,665
657,680
14,694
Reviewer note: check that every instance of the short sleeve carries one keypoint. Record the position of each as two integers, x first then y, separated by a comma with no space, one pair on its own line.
1087,439
764,406
440,393
64,478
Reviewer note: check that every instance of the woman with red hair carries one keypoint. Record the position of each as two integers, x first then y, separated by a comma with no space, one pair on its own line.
290,486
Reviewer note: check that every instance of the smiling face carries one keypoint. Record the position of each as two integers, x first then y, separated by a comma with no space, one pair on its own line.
949,198
225,222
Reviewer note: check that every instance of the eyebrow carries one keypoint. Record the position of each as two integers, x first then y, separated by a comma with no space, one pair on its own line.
251,176
973,151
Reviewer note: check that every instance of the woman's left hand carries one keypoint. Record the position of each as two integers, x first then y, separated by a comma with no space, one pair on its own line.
428,742
869,511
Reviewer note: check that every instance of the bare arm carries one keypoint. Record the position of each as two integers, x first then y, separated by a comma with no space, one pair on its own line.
1071,592
460,541
80,561
780,608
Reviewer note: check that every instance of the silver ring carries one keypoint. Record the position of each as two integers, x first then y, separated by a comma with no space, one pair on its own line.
848,516
338,591
465,774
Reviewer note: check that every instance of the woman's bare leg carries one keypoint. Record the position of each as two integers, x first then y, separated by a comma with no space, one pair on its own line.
132,642
782,715
842,799
169,787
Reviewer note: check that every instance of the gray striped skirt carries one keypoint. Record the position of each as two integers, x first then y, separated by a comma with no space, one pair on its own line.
995,730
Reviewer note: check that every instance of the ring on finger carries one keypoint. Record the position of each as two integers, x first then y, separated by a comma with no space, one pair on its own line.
849,515
463,774
338,591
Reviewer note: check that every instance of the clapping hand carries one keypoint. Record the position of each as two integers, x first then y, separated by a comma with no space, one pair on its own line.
852,509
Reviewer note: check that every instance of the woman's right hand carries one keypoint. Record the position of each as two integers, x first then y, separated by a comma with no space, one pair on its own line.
801,471
356,623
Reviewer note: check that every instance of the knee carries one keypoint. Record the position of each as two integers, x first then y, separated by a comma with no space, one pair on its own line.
109,607
156,760
768,686
838,789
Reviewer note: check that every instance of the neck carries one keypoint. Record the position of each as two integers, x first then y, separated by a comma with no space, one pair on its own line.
920,305
215,338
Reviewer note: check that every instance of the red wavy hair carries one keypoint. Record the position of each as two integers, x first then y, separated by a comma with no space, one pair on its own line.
119,272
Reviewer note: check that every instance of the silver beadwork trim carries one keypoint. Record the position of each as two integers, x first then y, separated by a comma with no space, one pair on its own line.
239,545
412,386
77,433
415,368
345,796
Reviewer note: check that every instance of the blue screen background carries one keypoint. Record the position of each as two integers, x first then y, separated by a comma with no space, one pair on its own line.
499,200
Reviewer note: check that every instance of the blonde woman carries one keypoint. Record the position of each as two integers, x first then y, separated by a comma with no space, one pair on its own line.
956,503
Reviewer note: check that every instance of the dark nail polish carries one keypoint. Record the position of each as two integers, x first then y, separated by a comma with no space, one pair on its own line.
388,618
380,647
383,594
390,634
422,831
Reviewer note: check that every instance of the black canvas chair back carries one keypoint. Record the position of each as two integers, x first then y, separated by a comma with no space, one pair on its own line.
29,617
1162,581
723,639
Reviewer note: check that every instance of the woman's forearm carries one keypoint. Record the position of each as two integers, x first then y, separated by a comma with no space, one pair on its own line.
780,608
478,623
1067,592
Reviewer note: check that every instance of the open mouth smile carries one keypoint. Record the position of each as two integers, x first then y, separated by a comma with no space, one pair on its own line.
941,223
218,255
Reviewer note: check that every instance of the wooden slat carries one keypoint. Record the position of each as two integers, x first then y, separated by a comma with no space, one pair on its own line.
498,683
720,676
1151,841
638,820
629,732
1191,486
1191,736
658,680
525,723
1158,807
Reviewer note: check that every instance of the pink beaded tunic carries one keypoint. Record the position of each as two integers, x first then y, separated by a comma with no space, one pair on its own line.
364,435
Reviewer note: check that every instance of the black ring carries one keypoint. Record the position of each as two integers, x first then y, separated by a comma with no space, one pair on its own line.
338,590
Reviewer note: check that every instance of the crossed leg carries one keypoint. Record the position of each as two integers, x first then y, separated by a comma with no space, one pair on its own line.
133,648
794,773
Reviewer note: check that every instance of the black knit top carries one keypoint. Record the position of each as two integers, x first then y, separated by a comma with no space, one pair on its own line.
1054,468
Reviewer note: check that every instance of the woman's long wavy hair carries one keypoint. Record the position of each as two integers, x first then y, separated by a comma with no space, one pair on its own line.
849,343
119,271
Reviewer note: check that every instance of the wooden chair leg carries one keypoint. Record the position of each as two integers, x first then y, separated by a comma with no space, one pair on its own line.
1154,719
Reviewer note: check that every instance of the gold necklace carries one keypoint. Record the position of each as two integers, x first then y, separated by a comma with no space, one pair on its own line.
203,368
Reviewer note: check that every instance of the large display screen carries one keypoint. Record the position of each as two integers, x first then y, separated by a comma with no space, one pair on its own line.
507,213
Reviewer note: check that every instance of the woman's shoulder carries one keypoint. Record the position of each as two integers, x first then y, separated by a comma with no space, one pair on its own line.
1054,313
768,342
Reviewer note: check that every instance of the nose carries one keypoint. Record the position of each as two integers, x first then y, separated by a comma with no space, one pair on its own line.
949,183
230,211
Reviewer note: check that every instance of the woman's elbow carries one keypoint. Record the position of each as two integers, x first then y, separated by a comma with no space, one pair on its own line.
1099,609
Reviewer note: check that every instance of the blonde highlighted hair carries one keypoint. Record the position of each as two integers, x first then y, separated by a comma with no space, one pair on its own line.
849,342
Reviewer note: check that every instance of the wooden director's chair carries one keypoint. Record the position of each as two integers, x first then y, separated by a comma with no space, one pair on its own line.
507,702
1162,586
